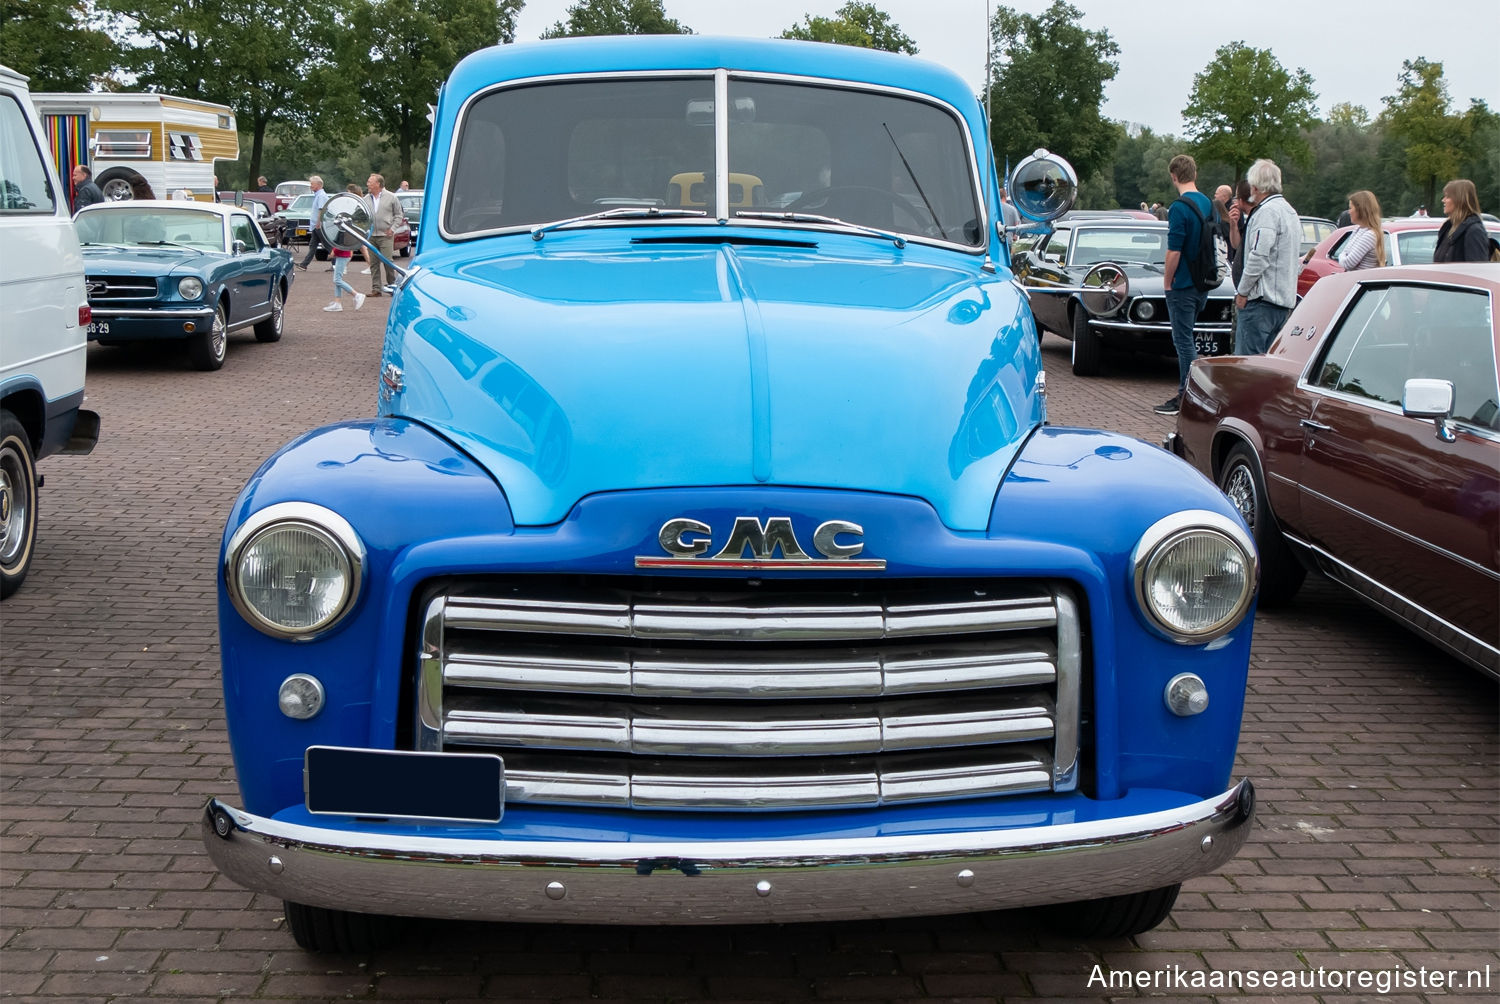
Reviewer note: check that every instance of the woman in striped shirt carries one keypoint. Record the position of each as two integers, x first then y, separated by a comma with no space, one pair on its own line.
1365,248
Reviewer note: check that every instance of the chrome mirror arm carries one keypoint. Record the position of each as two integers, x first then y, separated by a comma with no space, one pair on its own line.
343,223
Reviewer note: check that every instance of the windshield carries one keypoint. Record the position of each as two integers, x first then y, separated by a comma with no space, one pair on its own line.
126,225
537,154
1120,244
293,188
303,202
410,204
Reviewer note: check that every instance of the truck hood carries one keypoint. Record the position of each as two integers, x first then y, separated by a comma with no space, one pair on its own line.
577,366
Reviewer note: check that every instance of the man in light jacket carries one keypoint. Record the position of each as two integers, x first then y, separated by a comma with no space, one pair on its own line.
1273,247
385,212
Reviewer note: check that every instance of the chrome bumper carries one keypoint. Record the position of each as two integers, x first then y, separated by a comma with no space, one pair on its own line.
726,882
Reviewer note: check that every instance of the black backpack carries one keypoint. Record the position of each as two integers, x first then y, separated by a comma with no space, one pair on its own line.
1208,263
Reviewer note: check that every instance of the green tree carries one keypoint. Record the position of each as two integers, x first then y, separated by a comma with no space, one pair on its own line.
1048,85
59,44
1140,168
269,60
401,51
1246,105
861,24
1431,137
617,17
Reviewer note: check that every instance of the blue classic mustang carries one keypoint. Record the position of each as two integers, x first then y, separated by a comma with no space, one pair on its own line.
181,270
715,562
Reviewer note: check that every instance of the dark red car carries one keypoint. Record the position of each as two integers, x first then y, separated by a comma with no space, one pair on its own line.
1408,241
1365,444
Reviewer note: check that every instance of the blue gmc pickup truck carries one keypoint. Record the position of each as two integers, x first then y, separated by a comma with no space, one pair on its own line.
711,559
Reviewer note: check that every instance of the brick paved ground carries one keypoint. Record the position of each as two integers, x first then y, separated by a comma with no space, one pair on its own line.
1376,760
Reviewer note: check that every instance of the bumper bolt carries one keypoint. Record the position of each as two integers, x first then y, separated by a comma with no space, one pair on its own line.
965,878
1208,843
556,890
762,888
275,865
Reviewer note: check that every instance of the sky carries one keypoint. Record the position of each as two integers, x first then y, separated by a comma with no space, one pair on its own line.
1352,48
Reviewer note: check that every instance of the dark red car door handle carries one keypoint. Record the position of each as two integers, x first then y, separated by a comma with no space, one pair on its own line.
1308,423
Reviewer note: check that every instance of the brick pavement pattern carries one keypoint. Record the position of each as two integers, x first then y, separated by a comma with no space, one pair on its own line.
1375,756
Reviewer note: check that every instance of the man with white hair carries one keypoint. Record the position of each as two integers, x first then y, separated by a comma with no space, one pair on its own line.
1267,290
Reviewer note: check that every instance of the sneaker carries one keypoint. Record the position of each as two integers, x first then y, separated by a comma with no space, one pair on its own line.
1170,406
359,300
302,265
335,305
364,271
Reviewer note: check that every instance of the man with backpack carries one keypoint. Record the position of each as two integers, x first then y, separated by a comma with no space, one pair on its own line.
1191,268
1267,287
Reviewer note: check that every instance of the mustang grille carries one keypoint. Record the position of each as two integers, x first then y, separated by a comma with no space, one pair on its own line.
695,694
121,287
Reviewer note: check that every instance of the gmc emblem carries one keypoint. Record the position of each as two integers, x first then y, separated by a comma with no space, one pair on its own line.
756,545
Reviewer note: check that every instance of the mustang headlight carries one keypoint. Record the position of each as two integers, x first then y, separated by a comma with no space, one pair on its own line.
190,288
293,570
1143,310
1195,574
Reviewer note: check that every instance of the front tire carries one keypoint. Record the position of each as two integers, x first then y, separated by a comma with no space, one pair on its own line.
1113,916
1281,574
207,348
321,930
17,503
1088,347
269,330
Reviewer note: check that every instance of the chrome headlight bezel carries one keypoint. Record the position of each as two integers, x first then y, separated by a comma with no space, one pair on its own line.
1168,532
318,520
190,287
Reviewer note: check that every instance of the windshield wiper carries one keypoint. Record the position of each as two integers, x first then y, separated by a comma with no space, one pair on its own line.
757,214
157,244
100,244
623,213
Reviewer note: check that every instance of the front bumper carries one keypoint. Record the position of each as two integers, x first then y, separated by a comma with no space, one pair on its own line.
149,323
725,882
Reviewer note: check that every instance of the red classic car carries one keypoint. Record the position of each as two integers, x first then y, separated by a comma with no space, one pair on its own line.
1409,240
1366,445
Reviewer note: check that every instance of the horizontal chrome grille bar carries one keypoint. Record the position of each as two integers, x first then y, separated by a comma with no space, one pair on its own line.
717,732
743,622
731,786
785,675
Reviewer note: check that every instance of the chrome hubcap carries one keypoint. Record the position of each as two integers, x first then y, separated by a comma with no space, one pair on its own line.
220,335
14,504
1240,487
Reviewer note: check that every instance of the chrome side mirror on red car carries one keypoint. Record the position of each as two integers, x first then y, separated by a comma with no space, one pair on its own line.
1428,398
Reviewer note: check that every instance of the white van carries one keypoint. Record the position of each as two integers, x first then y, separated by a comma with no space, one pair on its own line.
44,317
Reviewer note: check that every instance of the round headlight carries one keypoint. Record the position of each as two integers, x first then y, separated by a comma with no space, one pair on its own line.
190,288
293,570
1144,310
1195,575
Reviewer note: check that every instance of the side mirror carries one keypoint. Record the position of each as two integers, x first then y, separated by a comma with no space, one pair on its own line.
346,225
1105,288
1433,399
239,199
239,247
1043,186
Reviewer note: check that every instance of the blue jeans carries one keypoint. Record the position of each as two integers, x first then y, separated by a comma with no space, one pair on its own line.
1183,308
1259,322
339,282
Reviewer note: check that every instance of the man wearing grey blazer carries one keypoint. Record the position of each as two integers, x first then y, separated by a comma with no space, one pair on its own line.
385,213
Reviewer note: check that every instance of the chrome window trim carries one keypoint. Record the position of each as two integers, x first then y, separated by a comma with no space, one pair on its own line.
721,123
307,514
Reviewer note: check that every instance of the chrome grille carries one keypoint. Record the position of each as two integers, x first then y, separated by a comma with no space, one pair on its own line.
120,287
648,694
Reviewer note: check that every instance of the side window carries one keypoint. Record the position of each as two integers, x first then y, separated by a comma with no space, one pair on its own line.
24,186
1455,340
1055,250
1369,353
240,229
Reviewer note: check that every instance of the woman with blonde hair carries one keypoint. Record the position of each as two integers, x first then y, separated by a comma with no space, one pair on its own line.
1462,237
1365,248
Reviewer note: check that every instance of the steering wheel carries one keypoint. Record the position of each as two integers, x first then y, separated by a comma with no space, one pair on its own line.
819,200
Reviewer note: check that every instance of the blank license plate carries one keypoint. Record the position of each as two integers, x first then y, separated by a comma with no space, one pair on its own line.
466,787
98,327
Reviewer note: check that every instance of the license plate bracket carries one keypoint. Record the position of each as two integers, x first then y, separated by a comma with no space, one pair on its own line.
451,787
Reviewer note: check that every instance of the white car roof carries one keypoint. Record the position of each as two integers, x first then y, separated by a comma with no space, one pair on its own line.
188,204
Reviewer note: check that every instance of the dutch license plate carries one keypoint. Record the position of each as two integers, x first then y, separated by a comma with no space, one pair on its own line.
98,327
1207,343
301,231
464,787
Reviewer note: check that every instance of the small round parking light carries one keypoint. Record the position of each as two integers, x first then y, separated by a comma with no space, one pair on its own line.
1186,695
300,696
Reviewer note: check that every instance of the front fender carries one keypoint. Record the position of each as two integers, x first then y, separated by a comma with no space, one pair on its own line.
400,486
1097,492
